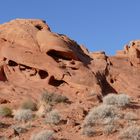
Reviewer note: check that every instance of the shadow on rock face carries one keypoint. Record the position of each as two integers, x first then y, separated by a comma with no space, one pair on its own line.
2,75
105,85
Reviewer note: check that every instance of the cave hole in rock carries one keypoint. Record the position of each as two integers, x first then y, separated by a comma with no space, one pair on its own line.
24,67
133,43
74,68
43,74
39,27
55,82
4,59
12,63
131,64
58,55
111,81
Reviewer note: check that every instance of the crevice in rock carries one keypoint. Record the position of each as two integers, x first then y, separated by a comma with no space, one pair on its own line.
24,67
28,52
12,63
111,81
66,74
4,101
39,27
73,68
4,39
2,75
105,85
55,82
43,74
56,55
72,62
4,59
131,64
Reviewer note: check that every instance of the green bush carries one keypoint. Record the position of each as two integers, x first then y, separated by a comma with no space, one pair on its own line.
52,98
43,135
5,111
29,104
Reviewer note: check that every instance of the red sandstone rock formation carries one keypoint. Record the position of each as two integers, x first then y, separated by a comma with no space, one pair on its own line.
33,59
30,52
32,56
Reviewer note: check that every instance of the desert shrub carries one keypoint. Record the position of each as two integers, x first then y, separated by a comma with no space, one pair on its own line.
103,116
130,133
43,135
19,129
109,129
23,115
52,98
29,104
2,125
5,111
53,117
123,100
120,100
130,116
110,99
100,113
88,131
109,120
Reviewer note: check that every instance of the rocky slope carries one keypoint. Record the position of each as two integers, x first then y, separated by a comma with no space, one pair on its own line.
34,60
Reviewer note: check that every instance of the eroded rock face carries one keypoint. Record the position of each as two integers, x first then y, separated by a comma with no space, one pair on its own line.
34,60
35,56
124,71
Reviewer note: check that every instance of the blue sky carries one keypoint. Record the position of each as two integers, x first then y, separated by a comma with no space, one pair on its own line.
98,24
